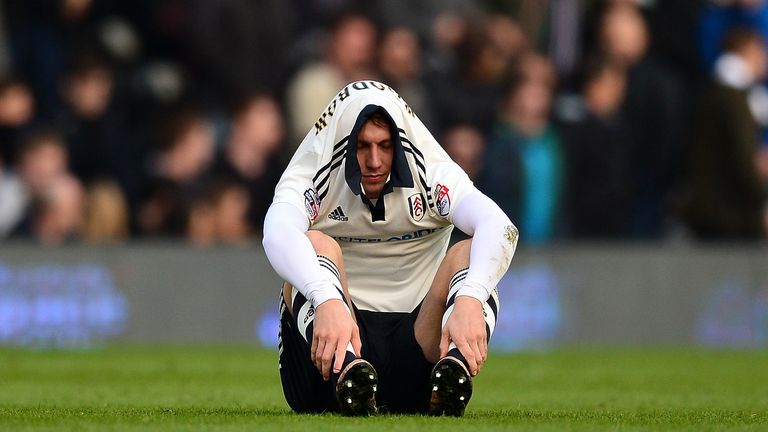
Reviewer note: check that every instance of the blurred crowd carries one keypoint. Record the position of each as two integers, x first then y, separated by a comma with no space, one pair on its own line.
589,120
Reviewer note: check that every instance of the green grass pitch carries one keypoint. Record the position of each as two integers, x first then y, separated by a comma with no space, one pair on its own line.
237,388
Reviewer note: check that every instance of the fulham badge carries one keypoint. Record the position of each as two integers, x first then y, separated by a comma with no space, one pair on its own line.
416,206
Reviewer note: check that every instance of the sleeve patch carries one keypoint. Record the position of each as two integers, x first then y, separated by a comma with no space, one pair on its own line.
442,200
312,204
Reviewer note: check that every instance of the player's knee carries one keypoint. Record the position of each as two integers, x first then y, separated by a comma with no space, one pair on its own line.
324,244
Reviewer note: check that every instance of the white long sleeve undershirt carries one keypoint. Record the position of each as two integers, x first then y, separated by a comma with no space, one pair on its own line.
292,255
494,239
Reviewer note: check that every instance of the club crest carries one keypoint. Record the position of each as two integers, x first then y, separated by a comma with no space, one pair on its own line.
416,206
312,204
442,200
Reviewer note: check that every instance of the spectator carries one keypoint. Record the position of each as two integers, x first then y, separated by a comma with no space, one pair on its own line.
726,194
507,36
220,216
43,36
523,166
448,30
106,214
654,113
470,93
178,174
401,68
201,224
595,143
57,214
348,56
231,204
717,18
465,144
98,140
251,156
40,161
17,110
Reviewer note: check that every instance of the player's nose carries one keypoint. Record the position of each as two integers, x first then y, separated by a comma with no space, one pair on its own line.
374,158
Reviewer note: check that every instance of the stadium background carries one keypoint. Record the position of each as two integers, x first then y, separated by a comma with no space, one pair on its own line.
140,143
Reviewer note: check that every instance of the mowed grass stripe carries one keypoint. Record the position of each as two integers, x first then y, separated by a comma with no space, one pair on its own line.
245,418
238,388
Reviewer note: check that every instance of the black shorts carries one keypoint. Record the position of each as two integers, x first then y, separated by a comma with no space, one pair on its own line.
388,343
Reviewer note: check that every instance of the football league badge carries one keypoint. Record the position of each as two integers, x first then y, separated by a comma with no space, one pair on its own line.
312,204
442,200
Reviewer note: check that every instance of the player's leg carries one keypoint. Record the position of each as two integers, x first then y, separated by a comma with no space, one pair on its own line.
451,380
428,326
298,316
303,386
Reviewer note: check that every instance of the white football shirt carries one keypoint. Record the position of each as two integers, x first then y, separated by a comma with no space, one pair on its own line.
391,249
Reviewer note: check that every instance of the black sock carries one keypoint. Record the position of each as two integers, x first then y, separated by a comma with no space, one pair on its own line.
348,358
454,352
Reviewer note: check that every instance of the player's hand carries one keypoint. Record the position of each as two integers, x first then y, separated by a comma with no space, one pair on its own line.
466,328
333,330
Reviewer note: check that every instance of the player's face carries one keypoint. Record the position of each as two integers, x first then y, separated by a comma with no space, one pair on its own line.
374,154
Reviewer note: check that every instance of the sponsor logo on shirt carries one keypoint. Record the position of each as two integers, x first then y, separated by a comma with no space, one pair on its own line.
442,200
416,206
338,214
407,236
312,204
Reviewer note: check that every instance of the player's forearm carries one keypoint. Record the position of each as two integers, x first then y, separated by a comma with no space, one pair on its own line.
494,240
292,256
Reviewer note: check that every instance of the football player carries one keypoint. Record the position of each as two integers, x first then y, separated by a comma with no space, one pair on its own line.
377,313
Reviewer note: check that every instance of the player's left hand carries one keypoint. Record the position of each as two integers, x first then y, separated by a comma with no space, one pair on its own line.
466,328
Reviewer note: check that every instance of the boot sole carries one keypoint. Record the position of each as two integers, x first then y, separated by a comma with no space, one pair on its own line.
356,389
451,388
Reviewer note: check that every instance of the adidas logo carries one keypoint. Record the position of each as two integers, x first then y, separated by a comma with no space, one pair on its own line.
338,214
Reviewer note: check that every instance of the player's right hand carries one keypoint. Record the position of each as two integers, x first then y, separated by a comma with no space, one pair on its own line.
333,330
466,328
